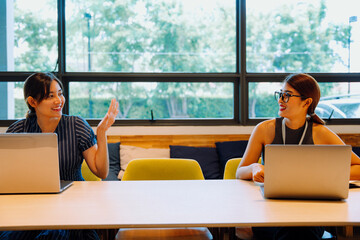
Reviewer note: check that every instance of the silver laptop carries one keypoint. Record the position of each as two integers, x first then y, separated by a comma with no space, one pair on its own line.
29,163
307,171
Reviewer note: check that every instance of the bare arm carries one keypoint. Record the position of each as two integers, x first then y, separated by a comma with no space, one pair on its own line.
97,156
323,135
355,167
249,168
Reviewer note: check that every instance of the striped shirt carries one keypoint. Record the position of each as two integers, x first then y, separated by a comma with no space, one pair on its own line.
74,137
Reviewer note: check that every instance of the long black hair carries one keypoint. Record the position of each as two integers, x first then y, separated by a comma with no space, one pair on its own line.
307,86
37,86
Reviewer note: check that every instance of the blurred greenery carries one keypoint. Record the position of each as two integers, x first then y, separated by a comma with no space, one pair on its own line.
142,110
165,36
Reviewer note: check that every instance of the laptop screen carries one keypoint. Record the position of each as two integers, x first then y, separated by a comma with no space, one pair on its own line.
29,163
307,171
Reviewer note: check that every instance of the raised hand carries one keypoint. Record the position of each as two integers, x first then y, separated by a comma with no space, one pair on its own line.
110,116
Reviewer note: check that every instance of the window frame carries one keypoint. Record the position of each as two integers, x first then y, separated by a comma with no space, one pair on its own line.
241,79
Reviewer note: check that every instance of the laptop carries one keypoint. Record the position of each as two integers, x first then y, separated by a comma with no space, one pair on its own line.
29,163
307,171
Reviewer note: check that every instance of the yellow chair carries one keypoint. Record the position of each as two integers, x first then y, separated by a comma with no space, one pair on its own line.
163,169
87,174
230,168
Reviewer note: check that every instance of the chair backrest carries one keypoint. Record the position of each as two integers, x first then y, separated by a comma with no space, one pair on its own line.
230,168
163,169
87,174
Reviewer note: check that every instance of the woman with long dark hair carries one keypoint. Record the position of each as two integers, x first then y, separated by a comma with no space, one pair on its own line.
297,101
43,94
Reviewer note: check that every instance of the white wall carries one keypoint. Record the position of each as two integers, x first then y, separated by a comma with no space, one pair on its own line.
184,130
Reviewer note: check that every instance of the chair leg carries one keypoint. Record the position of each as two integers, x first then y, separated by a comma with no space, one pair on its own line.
107,234
227,233
112,234
232,233
222,233
215,232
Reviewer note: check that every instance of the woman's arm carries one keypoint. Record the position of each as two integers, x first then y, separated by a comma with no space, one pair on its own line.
249,168
355,167
97,156
323,135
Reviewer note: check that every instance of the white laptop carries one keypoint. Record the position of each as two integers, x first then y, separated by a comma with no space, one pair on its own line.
29,163
307,171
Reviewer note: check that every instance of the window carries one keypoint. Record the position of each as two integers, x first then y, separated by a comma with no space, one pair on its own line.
174,36
338,100
303,36
154,100
181,61
29,35
317,37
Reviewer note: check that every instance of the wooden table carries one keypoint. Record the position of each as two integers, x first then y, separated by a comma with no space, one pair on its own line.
209,203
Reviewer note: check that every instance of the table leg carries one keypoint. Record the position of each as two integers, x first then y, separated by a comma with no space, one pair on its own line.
349,231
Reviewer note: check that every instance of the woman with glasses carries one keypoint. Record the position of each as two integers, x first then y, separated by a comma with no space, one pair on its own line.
298,124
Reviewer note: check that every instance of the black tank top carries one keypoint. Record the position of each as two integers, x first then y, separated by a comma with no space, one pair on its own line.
293,136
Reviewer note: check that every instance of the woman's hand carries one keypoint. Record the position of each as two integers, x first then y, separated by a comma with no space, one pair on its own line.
258,172
110,116
97,156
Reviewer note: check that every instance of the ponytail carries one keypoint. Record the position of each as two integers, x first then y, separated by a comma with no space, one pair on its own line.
308,87
30,113
316,119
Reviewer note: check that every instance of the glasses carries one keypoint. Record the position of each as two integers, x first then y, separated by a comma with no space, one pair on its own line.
285,96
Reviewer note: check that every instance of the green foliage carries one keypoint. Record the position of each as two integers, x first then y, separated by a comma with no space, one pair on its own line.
20,108
204,107
296,40
291,40
163,36
266,106
36,40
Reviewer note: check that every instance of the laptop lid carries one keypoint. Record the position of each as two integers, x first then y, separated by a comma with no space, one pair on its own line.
307,171
29,163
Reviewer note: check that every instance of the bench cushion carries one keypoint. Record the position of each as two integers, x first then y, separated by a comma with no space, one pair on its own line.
206,156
